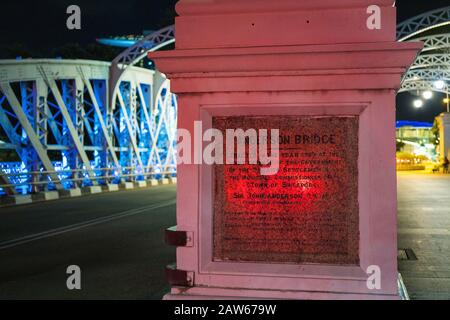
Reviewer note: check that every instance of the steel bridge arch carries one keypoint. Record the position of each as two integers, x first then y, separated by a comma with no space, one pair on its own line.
431,64
424,22
435,42
135,53
418,85
427,75
434,61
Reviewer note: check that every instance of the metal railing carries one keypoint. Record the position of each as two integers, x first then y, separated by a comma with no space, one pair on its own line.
69,179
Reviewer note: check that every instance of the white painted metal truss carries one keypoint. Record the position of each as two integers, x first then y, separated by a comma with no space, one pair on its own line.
137,52
433,63
427,75
151,42
55,115
418,86
422,23
416,80
426,61
435,42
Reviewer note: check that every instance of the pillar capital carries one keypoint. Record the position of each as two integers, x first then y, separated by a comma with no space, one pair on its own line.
202,7
256,23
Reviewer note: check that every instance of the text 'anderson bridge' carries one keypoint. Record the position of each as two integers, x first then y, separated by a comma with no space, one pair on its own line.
67,124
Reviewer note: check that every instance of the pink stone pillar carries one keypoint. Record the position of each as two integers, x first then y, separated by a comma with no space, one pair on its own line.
279,59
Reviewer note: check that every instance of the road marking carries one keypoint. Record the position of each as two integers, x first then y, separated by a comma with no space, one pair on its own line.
81,225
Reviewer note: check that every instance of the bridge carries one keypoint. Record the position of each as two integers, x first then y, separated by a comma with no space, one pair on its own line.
63,132
73,127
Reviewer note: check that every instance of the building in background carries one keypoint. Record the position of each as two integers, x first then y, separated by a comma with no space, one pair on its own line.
416,141
124,41
129,41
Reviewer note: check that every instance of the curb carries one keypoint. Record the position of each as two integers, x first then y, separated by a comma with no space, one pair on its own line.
17,200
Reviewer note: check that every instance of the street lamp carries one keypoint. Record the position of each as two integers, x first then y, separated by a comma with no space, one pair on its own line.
427,95
439,84
418,103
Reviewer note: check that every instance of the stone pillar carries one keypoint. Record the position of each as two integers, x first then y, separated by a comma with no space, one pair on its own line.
443,122
326,76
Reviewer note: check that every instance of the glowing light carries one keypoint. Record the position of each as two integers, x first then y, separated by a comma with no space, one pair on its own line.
418,103
427,95
439,84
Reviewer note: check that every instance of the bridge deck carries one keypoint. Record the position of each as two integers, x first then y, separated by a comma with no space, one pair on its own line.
115,238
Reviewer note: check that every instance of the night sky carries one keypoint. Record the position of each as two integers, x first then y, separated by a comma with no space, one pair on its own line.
41,25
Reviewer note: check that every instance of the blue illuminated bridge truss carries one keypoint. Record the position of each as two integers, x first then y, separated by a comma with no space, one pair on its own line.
59,130
66,124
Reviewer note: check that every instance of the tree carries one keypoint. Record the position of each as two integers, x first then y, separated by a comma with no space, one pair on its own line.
400,146
92,51
15,50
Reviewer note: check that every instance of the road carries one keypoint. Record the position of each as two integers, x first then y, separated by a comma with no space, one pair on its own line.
115,238
424,226
117,241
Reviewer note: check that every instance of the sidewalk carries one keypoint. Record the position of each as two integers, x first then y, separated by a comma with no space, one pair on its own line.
424,227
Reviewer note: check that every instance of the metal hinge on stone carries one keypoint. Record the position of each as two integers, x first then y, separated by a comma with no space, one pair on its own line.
179,238
179,277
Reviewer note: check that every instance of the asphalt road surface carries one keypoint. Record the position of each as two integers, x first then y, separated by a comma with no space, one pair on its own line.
117,240
424,227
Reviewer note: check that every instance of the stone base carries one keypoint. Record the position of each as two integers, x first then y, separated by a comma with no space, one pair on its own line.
141,184
154,182
112,187
76,192
244,294
211,293
128,185
51,195
22,199
95,189
45,196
